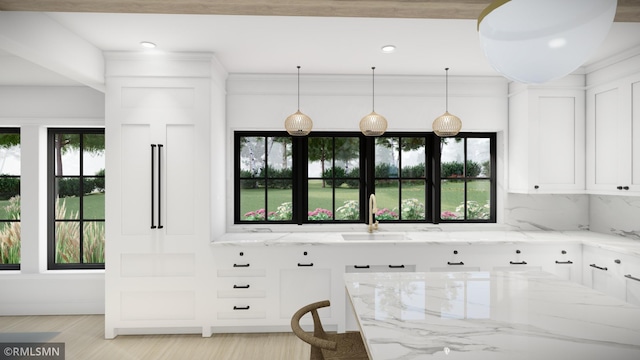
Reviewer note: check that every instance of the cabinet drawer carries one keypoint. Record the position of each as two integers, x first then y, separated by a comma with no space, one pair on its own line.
380,268
240,259
242,287
230,309
242,272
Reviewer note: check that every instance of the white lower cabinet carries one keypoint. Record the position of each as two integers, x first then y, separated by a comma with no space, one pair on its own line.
632,282
612,273
258,288
603,271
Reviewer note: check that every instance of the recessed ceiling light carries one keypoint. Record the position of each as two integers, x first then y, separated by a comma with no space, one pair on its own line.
388,49
147,44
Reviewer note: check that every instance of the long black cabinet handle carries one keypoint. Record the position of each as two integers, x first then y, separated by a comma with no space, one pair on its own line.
361,266
241,265
160,186
308,265
241,286
456,263
518,262
396,266
241,307
628,276
564,262
599,267
153,192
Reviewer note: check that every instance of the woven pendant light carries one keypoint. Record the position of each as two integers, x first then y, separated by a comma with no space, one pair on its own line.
373,124
447,124
298,124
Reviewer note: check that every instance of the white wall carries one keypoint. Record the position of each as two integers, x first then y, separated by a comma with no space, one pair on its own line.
33,289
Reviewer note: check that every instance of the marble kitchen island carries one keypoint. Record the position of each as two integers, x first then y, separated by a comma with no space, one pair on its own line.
490,315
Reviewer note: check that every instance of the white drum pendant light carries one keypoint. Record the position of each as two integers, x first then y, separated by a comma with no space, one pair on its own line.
373,124
298,124
536,41
446,124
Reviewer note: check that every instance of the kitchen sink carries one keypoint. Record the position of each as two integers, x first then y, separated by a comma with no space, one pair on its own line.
375,236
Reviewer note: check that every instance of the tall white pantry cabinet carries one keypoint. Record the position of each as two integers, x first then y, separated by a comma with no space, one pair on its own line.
158,115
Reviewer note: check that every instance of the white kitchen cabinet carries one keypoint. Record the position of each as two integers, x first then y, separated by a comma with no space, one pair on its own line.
305,277
562,259
261,287
613,137
267,283
157,138
546,139
616,274
603,271
632,279
242,289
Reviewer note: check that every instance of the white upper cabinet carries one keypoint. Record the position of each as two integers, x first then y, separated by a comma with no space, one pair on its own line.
613,137
546,138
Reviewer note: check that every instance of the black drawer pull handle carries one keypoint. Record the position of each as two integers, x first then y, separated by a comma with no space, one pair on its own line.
241,265
396,266
361,266
309,265
518,262
564,262
240,286
628,276
241,307
598,267
452,263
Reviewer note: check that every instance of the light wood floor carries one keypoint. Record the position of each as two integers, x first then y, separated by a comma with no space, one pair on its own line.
84,340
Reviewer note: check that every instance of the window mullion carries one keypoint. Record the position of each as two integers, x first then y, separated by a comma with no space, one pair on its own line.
300,179
436,183
81,199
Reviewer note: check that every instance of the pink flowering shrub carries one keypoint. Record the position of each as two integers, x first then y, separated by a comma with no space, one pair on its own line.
448,215
386,214
320,214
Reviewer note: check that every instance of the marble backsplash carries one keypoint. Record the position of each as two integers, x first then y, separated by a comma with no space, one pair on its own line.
547,212
619,215
614,215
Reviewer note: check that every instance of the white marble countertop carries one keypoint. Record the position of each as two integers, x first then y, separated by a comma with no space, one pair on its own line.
490,315
473,237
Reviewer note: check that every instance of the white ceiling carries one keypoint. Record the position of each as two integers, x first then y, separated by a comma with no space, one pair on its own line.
276,44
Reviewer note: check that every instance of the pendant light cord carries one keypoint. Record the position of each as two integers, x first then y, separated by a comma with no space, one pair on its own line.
446,90
298,87
373,93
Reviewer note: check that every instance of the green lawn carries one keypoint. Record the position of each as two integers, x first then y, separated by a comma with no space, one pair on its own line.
93,206
452,195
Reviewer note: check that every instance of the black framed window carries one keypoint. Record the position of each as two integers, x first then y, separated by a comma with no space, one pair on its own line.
264,178
333,185
9,199
76,198
402,182
467,189
328,177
